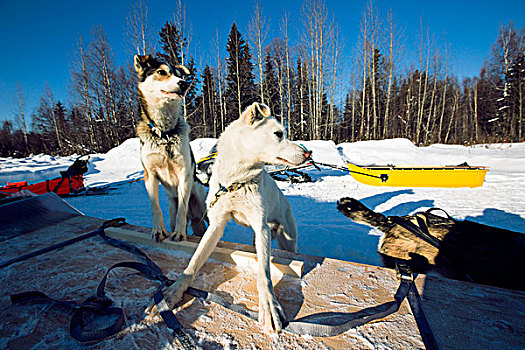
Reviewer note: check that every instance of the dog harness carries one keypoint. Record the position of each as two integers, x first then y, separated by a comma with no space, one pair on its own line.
232,188
162,134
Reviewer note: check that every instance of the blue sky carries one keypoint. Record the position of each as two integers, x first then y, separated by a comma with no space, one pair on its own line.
38,37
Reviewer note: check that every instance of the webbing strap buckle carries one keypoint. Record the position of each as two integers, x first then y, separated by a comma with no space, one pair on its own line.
403,272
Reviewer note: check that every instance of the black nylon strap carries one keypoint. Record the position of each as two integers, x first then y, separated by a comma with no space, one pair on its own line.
320,325
211,297
100,304
98,231
58,184
77,324
421,232
439,209
331,324
414,301
34,297
154,270
172,322
50,248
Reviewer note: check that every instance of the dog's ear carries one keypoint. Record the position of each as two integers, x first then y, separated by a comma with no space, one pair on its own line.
141,62
255,112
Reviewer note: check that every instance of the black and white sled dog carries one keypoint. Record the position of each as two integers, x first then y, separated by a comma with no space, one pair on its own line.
165,150
240,189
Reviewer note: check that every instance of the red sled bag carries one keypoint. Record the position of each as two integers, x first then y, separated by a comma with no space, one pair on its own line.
62,186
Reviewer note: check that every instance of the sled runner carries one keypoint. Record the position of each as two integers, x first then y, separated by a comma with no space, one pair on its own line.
461,175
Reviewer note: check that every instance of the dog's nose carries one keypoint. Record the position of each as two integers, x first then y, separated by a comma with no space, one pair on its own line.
184,85
307,153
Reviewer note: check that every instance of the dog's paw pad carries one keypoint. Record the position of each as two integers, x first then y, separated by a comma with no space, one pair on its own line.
178,237
159,236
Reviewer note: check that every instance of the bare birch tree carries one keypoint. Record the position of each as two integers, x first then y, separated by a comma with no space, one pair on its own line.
363,50
138,32
318,35
81,86
443,97
56,125
395,50
101,62
424,59
21,112
220,79
186,33
284,32
337,49
257,32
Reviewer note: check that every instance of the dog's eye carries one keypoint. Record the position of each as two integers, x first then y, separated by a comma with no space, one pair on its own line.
162,72
279,134
178,73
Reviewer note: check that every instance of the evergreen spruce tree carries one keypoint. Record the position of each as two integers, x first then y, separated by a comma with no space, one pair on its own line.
347,126
270,85
172,40
300,103
210,113
240,86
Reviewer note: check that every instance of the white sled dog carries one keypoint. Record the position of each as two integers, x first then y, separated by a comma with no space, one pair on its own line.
165,150
241,189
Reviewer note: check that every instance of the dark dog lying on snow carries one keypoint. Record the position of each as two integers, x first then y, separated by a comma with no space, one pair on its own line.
462,250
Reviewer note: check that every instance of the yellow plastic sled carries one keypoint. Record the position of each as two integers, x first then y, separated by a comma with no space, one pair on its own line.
419,175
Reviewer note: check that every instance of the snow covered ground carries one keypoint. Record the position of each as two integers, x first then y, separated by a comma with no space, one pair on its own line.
323,230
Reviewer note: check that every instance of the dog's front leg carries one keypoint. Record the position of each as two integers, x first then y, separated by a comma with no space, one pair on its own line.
271,314
158,231
178,218
174,293
358,212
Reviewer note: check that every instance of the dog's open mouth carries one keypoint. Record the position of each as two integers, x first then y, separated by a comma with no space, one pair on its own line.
284,161
172,94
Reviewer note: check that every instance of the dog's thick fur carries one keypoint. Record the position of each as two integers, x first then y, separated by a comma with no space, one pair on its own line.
243,149
467,251
165,150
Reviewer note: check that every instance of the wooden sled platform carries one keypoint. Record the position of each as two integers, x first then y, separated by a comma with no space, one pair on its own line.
461,315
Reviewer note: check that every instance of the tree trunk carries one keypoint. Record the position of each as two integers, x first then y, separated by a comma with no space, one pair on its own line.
476,132
284,30
452,116
257,32
22,115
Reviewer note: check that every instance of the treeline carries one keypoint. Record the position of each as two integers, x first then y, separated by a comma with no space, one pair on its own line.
310,86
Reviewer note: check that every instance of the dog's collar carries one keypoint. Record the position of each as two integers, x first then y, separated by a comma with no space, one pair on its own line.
232,188
162,134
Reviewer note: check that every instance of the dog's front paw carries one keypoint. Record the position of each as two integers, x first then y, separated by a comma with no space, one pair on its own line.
351,207
172,294
271,314
178,236
159,234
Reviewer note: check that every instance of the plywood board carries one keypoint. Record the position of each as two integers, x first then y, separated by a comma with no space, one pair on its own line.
461,315
237,257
